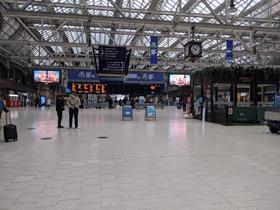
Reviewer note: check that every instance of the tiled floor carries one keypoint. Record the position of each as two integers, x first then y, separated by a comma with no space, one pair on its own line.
171,163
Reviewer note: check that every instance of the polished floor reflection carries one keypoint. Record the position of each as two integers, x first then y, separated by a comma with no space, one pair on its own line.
170,163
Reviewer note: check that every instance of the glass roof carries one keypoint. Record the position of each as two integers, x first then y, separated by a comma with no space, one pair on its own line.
194,11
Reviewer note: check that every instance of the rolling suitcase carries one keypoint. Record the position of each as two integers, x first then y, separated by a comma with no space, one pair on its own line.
10,130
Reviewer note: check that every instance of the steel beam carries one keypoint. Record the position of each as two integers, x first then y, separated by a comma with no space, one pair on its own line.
180,27
186,9
85,45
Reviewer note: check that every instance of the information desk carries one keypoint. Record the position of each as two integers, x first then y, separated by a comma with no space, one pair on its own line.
127,113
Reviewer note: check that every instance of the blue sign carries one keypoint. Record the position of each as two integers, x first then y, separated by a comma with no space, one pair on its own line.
136,77
43,100
145,77
153,49
82,76
151,112
67,90
229,52
277,100
127,112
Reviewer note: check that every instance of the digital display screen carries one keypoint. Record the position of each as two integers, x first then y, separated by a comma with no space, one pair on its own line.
179,80
86,88
46,76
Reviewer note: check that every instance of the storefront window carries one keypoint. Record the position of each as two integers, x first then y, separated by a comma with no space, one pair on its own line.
197,100
266,94
221,93
243,95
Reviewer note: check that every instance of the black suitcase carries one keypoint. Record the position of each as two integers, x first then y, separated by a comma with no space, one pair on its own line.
10,131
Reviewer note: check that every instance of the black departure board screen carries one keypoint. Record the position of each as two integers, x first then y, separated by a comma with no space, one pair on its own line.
113,60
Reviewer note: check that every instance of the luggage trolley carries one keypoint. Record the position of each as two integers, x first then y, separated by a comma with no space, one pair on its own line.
127,113
150,113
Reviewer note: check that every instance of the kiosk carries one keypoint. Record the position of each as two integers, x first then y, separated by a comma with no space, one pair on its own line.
235,94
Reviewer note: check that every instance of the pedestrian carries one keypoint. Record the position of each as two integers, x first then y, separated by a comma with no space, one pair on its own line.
49,102
59,109
73,102
2,107
132,102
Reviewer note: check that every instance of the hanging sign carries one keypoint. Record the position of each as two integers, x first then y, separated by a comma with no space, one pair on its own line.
153,49
229,51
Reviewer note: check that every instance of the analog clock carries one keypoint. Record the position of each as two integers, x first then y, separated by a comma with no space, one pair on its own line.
195,49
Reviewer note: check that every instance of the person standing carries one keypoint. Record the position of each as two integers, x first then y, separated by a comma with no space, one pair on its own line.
49,102
73,102
2,107
59,109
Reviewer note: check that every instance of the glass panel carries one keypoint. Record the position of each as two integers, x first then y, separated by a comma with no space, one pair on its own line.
243,95
266,94
221,93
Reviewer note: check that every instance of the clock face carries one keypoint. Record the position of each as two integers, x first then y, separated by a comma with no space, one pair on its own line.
195,49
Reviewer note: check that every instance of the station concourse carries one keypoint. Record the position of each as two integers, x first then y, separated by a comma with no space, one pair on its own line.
139,105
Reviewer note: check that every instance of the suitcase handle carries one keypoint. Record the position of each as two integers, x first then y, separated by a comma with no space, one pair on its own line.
8,113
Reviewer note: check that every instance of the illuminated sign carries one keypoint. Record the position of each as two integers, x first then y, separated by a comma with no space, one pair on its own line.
87,88
179,79
46,76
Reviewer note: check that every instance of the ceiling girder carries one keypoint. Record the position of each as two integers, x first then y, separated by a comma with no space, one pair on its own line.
159,24
84,45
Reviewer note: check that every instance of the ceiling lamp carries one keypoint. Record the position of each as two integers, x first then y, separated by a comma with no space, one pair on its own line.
232,9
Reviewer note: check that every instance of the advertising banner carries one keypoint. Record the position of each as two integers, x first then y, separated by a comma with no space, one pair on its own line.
153,49
77,75
179,80
46,76
229,51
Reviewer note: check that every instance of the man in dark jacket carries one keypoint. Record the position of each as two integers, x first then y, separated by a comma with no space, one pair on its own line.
59,109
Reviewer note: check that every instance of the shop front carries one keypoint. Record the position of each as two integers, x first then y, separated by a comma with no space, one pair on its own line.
235,95
15,95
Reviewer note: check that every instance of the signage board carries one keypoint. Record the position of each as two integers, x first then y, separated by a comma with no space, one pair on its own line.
229,51
112,60
135,77
76,75
87,88
145,77
154,49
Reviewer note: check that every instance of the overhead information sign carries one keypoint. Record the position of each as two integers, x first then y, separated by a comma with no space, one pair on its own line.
86,88
135,77
112,60
87,75
145,77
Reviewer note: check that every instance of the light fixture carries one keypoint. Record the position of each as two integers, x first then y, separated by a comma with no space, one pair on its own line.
232,9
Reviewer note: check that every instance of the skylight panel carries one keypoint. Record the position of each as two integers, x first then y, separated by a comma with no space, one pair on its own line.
9,28
201,8
167,41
